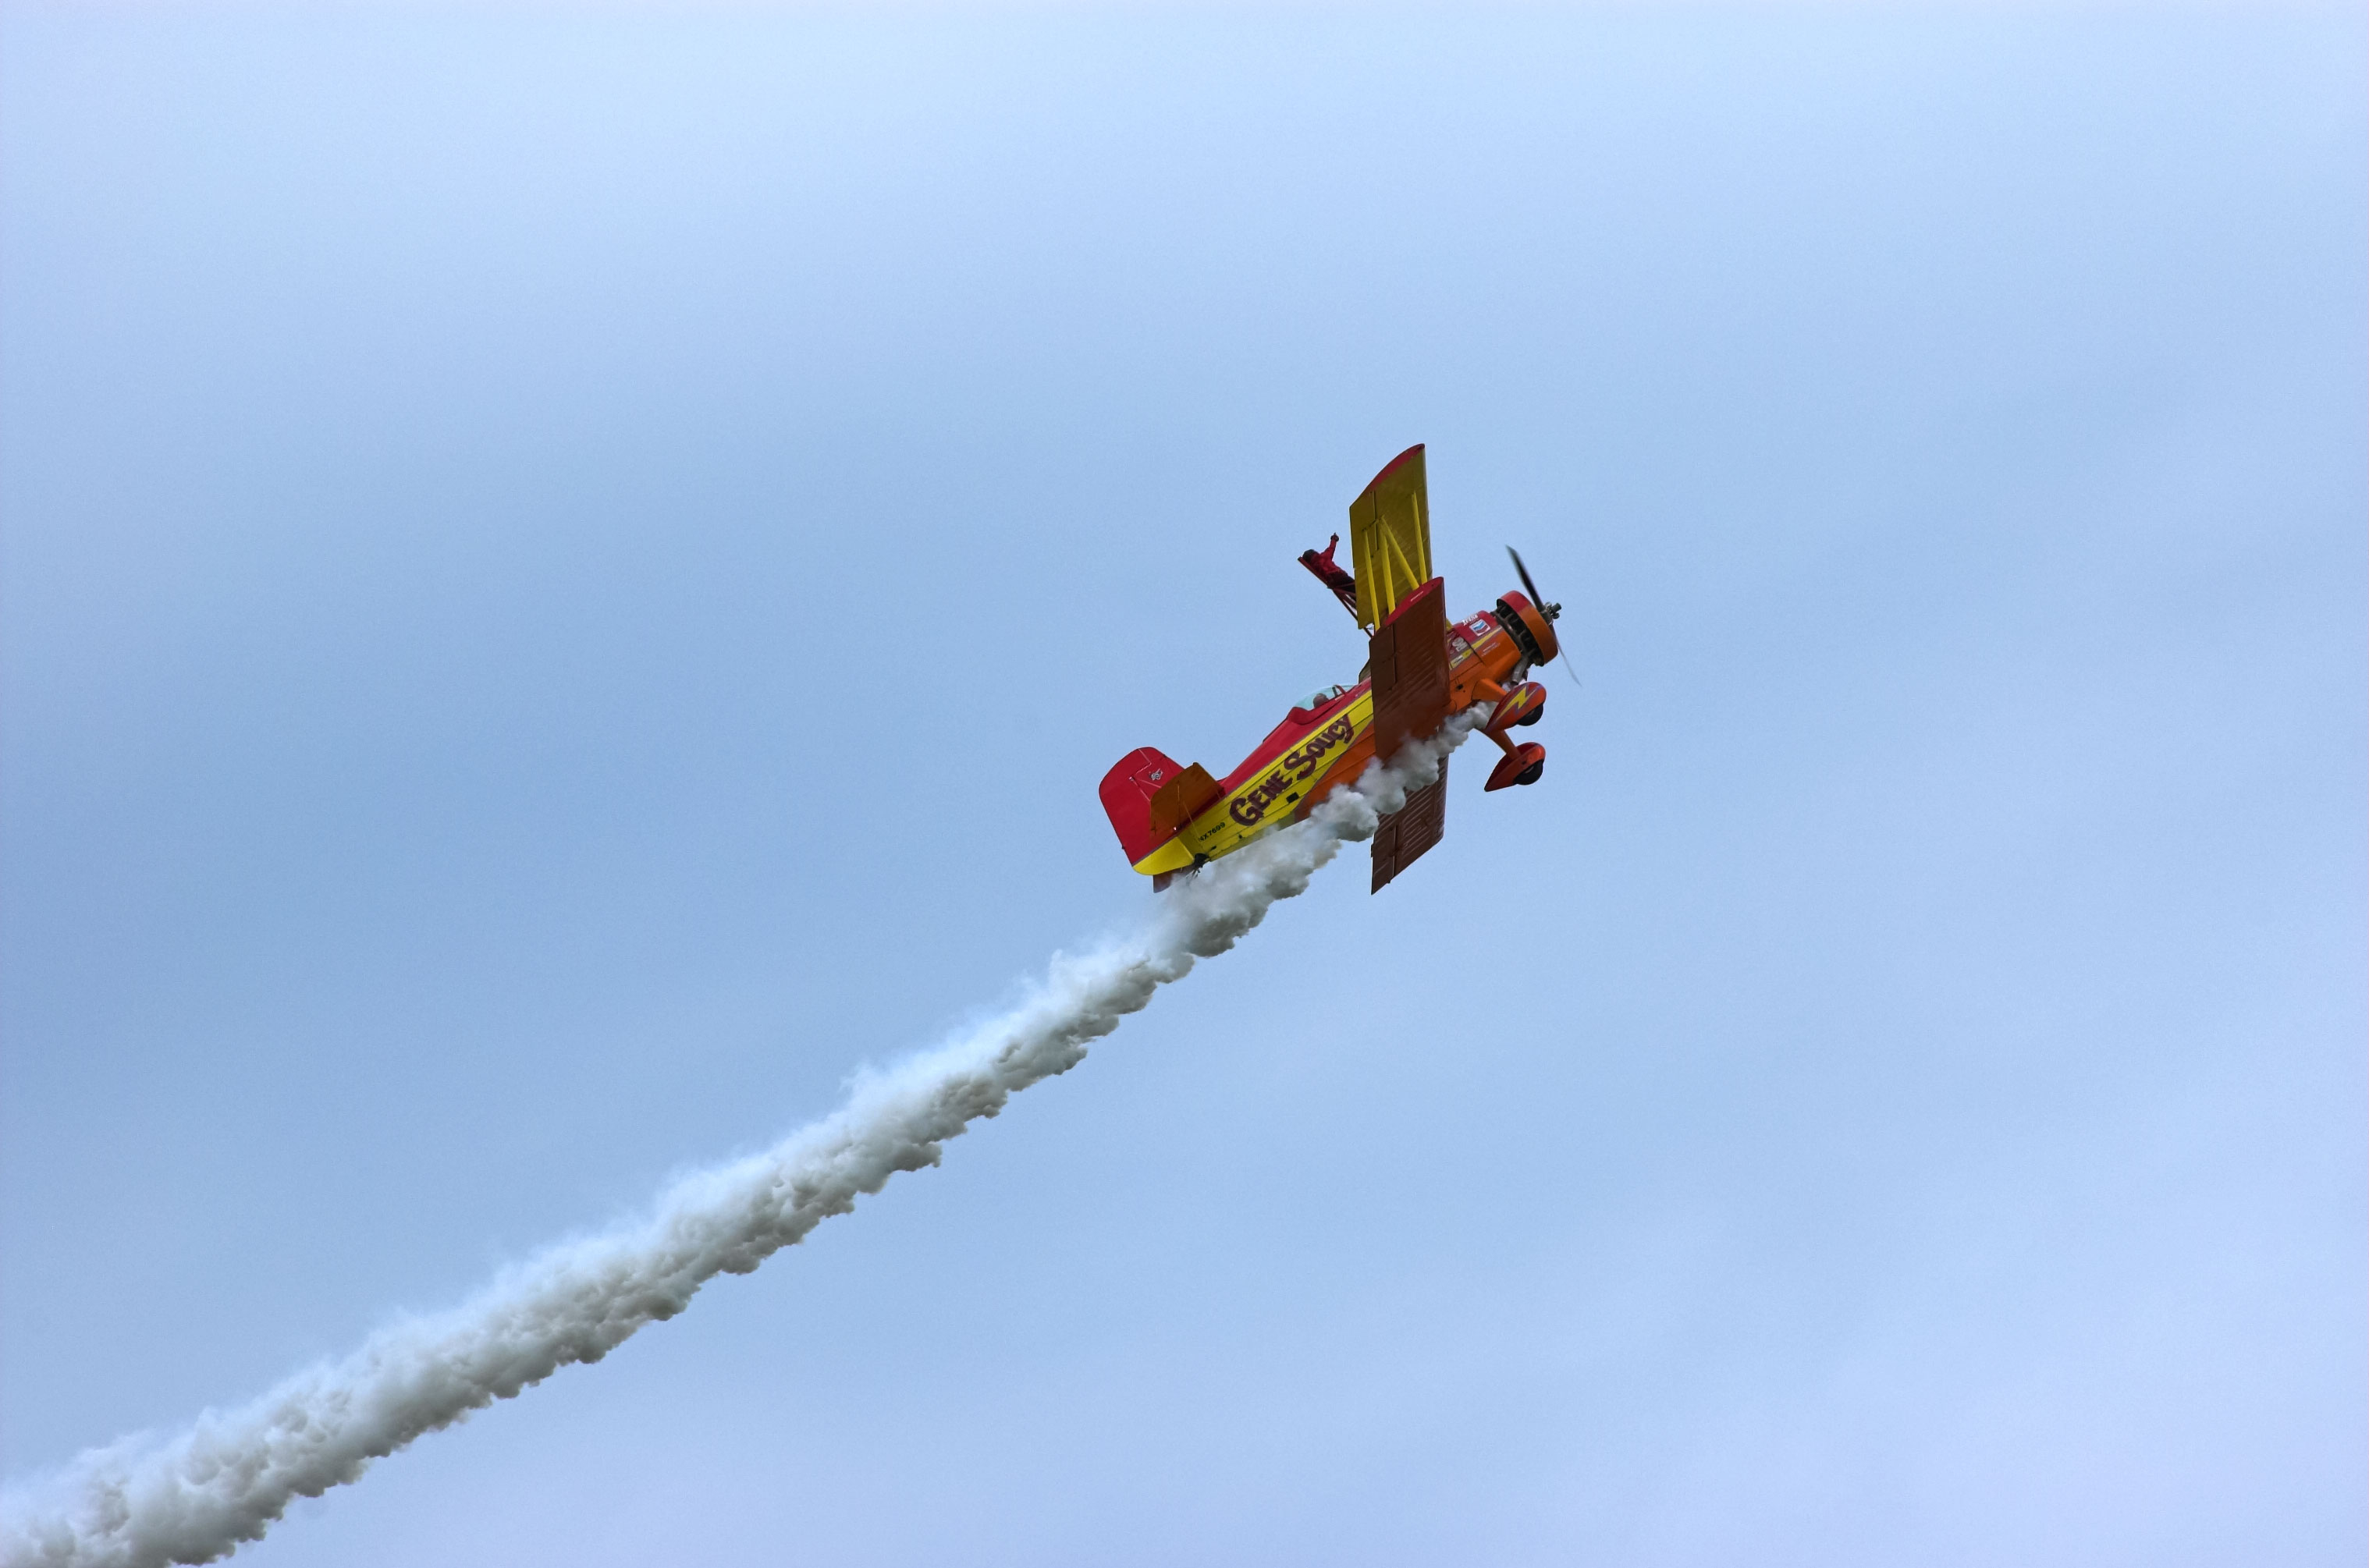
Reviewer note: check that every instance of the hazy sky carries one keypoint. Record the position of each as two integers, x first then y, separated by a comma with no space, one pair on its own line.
566,580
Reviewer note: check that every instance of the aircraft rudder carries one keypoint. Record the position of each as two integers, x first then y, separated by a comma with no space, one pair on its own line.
1127,792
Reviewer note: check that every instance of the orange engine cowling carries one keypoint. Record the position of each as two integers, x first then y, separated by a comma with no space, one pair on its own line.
1531,628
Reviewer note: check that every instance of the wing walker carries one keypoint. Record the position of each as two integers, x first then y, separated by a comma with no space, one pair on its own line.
1424,668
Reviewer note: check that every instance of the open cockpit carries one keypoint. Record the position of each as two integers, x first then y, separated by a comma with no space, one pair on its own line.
1322,697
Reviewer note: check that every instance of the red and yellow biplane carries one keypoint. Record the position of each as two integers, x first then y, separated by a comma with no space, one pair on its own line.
1424,668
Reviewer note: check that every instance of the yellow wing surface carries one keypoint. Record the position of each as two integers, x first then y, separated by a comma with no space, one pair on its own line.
1390,538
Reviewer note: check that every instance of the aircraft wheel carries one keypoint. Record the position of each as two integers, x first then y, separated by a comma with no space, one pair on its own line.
1531,718
1529,775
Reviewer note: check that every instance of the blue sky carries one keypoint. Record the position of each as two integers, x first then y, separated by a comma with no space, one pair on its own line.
566,580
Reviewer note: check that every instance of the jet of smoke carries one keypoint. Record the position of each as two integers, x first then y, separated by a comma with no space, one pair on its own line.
143,1502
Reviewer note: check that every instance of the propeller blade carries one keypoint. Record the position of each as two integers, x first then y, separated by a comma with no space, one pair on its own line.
1532,589
1528,585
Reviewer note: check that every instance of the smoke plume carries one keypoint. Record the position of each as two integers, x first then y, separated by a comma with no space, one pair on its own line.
195,1495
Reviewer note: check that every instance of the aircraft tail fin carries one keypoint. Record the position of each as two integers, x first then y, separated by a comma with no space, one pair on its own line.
1148,796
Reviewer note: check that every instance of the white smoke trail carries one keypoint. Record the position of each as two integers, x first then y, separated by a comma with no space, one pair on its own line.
144,1501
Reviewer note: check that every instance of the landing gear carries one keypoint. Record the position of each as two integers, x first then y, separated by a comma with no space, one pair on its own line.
1523,765
1520,765
1526,703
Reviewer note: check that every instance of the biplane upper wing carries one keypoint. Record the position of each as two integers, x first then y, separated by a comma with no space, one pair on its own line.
1410,686
1390,538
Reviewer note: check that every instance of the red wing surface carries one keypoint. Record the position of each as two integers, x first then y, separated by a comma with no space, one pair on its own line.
1409,677
1410,670
1413,827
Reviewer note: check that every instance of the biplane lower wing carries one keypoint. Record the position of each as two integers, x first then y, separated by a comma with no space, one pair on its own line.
1410,702
1413,827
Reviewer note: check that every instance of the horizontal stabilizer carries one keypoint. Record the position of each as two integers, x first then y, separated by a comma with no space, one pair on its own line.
1183,797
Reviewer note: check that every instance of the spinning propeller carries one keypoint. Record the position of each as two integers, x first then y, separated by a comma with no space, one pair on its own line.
1550,611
